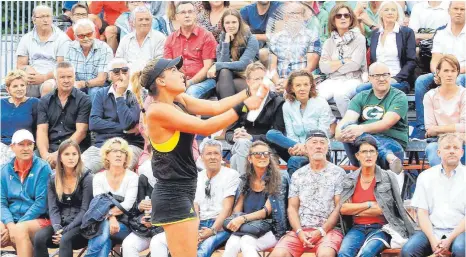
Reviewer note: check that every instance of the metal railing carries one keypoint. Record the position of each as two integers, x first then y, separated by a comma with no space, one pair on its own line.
17,16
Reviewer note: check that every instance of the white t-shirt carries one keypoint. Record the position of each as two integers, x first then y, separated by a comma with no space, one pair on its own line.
447,43
387,52
425,16
128,187
222,185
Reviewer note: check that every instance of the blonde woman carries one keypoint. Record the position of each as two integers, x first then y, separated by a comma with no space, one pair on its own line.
69,194
122,183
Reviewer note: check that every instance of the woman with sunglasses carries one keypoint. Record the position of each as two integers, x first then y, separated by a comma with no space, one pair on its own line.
343,58
68,198
261,195
171,128
122,183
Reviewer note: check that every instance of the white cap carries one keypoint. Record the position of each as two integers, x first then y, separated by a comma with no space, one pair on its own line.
21,135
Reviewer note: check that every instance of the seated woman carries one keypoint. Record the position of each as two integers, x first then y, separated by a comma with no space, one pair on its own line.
303,111
167,23
261,196
69,195
210,15
18,112
122,183
236,50
343,58
370,199
444,106
140,239
393,45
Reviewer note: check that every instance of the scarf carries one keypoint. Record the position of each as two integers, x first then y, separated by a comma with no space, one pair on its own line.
342,41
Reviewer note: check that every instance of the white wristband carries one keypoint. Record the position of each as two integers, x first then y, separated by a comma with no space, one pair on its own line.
322,231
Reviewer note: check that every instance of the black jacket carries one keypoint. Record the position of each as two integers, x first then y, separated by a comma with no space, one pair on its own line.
69,212
406,45
271,117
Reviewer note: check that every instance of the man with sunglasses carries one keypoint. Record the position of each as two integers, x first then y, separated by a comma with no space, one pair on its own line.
313,203
115,113
89,57
381,113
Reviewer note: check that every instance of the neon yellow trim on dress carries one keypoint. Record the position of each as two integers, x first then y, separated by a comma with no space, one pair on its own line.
174,222
168,145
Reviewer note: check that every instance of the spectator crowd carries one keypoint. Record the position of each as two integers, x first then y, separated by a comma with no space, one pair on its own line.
75,154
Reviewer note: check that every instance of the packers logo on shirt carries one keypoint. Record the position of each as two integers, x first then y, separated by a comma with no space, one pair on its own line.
373,112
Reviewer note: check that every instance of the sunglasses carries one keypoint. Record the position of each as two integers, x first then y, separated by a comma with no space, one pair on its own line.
339,15
122,69
117,151
207,188
82,36
260,154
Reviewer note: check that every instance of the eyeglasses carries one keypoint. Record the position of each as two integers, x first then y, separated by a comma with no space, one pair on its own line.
340,15
84,14
370,152
258,155
190,12
207,188
122,69
83,36
122,151
43,17
256,79
380,76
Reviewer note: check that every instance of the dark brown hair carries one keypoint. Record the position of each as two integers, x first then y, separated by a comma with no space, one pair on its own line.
207,6
290,95
240,37
334,12
60,170
78,5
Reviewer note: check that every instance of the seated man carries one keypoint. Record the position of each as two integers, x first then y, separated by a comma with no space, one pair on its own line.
115,113
294,47
143,44
441,205
256,16
381,113
197,46
429,15
254,125
90,57
111,10
41,49
125,20
23,195
450,40
62,114
313,204
215,195
79,11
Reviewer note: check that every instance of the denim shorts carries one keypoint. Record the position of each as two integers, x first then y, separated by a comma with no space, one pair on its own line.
173,202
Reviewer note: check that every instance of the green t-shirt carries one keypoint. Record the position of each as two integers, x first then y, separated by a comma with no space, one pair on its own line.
372,109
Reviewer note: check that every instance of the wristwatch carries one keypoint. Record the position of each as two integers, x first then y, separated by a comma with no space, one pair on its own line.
369,205
372,27
86,84
213,230
322,231
298,231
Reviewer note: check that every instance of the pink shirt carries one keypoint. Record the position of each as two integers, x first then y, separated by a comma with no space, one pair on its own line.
439,111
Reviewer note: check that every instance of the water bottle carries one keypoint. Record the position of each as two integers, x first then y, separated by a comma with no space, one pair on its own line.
147,212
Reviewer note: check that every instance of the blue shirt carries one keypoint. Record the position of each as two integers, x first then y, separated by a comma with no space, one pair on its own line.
15,118
258,23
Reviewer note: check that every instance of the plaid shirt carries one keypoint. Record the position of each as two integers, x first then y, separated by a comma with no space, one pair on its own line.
291,49
89,67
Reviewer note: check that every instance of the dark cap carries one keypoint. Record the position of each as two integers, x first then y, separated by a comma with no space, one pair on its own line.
316,133
161,65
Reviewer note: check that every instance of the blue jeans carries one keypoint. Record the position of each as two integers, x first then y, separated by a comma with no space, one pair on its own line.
100,246
295,162
91,92
421,87
208,246
385,144
418,246
358,234
203,89
432,156
403,86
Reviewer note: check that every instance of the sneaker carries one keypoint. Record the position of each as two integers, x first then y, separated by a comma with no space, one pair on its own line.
419,134
396,166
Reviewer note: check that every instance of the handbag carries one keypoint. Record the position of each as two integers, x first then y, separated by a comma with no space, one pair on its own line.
254,228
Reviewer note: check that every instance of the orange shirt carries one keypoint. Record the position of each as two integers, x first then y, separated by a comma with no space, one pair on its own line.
22,171
360,196
112,9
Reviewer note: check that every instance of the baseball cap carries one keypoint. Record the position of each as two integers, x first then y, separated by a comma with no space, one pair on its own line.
21,135
161,65
316,133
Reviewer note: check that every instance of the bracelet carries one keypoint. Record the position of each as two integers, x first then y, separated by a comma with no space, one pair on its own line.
239,109
298,231
213,230
322,231
369,204
245,219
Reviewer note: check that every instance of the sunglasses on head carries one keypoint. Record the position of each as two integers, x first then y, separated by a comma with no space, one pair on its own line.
260,154
339,15
207,188
122,69
83,36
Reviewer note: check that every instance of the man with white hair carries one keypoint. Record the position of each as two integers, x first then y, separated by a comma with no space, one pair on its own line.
144,43
41,49
115,113
23,195
89,57
381,113
62,114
